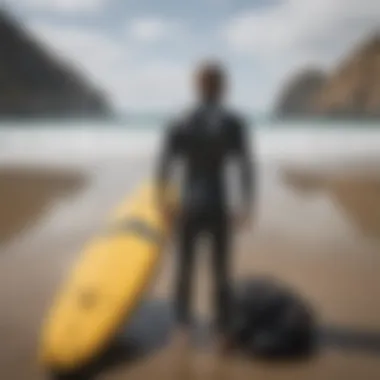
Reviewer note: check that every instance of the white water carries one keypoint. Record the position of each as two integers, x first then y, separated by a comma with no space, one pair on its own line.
303,145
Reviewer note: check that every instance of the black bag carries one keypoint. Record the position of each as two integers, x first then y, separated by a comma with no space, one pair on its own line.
271,321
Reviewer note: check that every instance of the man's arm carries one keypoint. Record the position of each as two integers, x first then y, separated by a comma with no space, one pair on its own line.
169,150
247,165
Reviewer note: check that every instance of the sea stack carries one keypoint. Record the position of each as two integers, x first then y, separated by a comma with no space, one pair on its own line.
34,83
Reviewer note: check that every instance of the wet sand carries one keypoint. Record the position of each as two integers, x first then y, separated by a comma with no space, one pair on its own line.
317,233
357,198
25,194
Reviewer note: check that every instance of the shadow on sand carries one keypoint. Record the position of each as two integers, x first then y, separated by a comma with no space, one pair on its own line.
151,327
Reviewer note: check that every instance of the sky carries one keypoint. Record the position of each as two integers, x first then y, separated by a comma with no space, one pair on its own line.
142,52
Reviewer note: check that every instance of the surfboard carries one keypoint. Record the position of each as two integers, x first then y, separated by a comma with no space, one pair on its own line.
106,283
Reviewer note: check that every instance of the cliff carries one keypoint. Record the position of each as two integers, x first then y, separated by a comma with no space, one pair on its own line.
298,95
352,90
33,83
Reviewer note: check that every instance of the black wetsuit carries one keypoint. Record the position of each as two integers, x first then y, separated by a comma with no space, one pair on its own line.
204,141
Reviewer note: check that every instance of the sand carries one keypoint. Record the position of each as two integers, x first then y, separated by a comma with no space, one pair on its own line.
26,193
317,233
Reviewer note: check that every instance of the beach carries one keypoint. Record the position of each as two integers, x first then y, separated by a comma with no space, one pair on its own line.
316,227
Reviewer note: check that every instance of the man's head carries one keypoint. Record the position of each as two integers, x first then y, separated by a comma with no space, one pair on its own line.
210,82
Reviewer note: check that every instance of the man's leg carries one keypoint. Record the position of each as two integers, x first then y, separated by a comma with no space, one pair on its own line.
184,274
221,266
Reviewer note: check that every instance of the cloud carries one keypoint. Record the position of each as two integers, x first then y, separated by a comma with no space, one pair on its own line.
299,33
115,67
156,85
61,5
324,28
152,29
87,48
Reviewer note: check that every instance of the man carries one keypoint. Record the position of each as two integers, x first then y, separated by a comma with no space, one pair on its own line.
204,141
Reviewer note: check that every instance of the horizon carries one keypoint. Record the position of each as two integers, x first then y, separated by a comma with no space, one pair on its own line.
142,53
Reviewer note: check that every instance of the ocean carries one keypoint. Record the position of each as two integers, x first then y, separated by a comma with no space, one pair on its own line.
297,142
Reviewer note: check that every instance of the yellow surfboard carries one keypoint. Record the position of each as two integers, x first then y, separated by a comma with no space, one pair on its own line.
106,284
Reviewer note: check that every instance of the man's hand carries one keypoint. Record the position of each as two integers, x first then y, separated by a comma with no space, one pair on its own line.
168,212
242,220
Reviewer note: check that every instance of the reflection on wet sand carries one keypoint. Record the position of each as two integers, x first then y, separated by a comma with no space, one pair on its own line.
361,202
25,194
357,198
